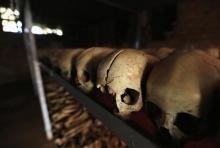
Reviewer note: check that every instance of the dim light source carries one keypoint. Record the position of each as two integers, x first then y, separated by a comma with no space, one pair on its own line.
11,23
19,24
59,32
36,30
2,9
16,12
10,27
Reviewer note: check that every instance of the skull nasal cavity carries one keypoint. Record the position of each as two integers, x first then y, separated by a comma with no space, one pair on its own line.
187,123
86,77
65,73
154,111
130,96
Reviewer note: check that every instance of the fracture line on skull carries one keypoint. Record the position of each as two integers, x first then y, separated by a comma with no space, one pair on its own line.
112,79
106,82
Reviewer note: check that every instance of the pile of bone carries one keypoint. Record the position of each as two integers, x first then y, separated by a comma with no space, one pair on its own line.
179,85
72,125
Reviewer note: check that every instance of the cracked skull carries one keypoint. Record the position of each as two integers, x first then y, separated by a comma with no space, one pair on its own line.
66,61
179,89
120,75
86,66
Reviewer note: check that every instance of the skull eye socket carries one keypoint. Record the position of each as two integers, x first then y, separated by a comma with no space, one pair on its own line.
57,70
187,123
154,112
65,73
86,76
73,72
130,96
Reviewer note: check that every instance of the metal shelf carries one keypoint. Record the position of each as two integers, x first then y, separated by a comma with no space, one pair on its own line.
133,138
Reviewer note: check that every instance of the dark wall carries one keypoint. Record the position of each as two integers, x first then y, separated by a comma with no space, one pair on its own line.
13,59
13,65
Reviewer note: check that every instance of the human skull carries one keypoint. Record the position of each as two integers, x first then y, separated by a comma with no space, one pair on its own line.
86,66
149,51
67,60
103,69
163,52
179,88
215,52
160,53
120,74
50,56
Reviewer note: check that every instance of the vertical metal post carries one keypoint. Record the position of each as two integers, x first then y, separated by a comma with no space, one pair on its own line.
141,23
138,31
35,69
